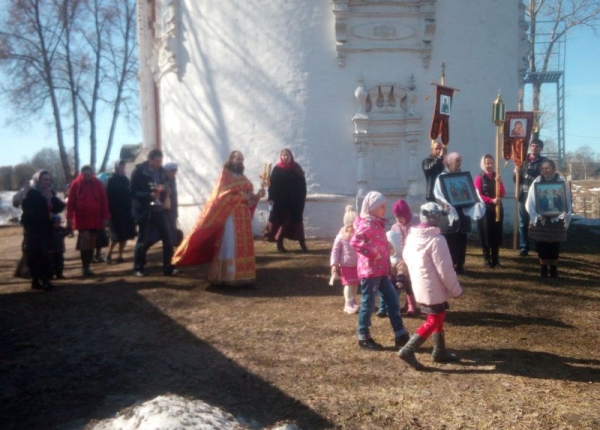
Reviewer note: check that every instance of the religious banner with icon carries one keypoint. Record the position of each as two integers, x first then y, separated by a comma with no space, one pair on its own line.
440,125
517,131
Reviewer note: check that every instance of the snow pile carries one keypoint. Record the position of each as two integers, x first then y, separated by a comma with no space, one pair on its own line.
172,412
7,211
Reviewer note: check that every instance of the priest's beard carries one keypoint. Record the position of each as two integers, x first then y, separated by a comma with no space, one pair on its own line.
235,168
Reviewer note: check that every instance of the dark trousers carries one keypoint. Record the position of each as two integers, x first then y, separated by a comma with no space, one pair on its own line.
457,244
158,221
39,263
490,231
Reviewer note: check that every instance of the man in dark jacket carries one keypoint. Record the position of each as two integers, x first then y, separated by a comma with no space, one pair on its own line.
432,167
148,193
530,169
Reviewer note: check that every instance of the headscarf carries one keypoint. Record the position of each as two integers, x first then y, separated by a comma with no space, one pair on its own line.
372,201
450,159
402,210
292,165
35,179
431,213
482,162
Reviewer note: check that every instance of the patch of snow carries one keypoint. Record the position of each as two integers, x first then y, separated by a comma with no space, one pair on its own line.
580,220
171,412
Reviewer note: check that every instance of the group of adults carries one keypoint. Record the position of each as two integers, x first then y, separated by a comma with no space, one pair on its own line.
222,235
93,207
548,228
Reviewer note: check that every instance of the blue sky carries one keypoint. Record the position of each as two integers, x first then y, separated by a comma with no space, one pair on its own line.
582,96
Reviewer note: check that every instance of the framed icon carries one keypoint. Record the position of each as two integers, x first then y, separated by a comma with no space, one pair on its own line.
550,198
458,189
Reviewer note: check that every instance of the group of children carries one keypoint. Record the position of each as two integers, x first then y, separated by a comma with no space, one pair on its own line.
420,265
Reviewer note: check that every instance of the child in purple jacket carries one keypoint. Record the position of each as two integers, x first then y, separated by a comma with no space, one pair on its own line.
371,245
343,261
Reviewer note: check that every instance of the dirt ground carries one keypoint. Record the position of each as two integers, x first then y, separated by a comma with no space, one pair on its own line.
285,351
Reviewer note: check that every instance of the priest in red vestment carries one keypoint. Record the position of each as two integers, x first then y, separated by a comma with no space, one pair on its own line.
222,234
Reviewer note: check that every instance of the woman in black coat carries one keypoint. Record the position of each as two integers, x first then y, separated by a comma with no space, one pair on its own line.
122,224
287,195
40,205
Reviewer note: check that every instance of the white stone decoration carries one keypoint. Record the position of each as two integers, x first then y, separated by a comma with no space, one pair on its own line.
384,26
164,56
387,130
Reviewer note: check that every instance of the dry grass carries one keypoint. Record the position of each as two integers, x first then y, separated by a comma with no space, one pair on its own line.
285,351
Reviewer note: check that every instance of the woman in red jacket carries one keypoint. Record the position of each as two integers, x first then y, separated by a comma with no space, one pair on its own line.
87,212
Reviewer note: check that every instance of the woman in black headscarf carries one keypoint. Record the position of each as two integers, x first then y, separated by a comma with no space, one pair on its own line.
40,205
122,225
287,195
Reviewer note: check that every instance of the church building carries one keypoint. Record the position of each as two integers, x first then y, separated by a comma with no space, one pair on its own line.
345,84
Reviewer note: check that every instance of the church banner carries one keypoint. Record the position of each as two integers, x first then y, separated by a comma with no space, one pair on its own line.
440,125
517,131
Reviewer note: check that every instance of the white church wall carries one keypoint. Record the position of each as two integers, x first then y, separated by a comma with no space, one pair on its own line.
258,77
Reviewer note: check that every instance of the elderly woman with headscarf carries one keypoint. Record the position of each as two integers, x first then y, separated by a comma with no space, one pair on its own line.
548,228
490,230
371,245
122,224
40,205
459,221
287,195
87,212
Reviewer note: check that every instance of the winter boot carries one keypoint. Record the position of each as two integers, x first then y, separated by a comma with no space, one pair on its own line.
412,310
495,260
407,353
487,262
280,246
439,354
553,271
544,270
303,245
350,307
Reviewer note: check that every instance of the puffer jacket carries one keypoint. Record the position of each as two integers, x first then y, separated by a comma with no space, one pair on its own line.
87,205
429,263
369,241
342,253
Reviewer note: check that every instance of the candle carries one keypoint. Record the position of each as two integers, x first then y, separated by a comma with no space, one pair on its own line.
269,172
264,175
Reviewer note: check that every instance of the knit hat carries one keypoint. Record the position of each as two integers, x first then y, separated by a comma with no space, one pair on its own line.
372,200
349,216
169,167
402,210
430,214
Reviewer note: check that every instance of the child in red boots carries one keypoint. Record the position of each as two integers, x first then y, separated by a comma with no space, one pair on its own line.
434,281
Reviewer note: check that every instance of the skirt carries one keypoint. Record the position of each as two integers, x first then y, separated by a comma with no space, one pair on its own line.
349,275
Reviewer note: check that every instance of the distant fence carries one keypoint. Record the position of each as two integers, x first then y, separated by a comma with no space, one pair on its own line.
588,206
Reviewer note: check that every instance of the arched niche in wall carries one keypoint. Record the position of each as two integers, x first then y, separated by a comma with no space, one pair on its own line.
387,130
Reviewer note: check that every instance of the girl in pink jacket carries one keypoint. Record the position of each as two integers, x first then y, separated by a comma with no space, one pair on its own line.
370,243
343,261
434,282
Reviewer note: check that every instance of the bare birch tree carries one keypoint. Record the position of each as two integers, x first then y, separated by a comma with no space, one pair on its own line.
554,18
67,57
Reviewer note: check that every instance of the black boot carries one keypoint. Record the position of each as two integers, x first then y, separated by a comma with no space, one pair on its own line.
544,271
440,354
303,245
553,271
280,247
495,259
407,353
487,262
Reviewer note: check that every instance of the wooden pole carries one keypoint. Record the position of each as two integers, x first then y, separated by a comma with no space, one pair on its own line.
498,132
517,186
